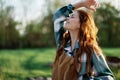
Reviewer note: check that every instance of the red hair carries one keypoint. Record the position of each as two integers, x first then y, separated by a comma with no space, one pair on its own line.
87,39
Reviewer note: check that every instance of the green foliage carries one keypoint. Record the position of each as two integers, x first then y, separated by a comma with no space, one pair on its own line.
108,21
9,36
41,34
23,63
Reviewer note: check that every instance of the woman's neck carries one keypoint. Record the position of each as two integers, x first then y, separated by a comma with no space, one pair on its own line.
74,38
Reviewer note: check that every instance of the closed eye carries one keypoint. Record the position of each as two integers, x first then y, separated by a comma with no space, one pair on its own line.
72,16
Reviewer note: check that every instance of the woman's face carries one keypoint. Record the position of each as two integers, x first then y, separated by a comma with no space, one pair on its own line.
72,22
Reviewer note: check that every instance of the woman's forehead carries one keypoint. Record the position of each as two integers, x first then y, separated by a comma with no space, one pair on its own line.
74,13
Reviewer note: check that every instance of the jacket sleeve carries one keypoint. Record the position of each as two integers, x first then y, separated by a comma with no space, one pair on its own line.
101,69
59,18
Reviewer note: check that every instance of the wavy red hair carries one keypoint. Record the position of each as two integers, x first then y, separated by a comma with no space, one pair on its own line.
87,39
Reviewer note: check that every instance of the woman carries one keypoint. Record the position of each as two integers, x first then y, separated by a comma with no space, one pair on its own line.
78,55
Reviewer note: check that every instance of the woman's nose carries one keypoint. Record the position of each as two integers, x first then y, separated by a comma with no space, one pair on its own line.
67,18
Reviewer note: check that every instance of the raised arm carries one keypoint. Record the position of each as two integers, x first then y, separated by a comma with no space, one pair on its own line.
89,4
59,18
61,14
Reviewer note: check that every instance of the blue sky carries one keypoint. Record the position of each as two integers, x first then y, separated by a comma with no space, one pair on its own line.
35,8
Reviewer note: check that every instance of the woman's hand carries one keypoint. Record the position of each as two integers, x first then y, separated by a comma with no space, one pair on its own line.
89,4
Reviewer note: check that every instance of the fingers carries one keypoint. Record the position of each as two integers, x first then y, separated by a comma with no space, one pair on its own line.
92,4
92,8
95,3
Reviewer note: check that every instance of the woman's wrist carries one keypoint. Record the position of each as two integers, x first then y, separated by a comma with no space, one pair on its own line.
78,5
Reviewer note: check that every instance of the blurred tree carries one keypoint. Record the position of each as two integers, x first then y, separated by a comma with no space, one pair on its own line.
108,21
32,35
9,36
40,33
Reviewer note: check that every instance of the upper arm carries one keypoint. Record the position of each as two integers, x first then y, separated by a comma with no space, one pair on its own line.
59,18
101,68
